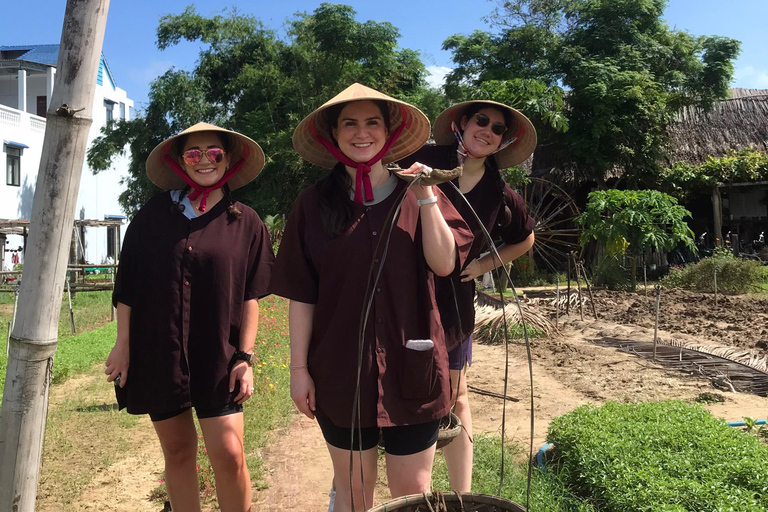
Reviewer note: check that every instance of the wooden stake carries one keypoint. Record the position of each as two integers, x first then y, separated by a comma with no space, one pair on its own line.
568,290
645,276
34,338
656,323
71,312
578,284
715,282
557,302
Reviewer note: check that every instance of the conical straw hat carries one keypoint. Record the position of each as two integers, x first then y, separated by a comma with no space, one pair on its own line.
522,128
161,174
411,139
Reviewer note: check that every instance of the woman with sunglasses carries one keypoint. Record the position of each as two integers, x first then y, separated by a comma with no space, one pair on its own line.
484,137
193,266
350,337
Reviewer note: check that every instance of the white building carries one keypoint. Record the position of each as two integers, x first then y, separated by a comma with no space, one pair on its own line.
26,83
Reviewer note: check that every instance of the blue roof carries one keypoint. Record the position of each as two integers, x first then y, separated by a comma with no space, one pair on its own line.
47,54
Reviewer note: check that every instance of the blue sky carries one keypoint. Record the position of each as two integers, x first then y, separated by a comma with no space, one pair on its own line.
129,43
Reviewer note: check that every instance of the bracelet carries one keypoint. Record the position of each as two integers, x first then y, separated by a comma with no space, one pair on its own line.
429,200
298,366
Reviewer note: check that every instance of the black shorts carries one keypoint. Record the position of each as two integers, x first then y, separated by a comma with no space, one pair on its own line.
231,408
402,440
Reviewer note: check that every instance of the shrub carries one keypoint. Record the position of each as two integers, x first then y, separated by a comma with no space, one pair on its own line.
669,456
610,273
734,275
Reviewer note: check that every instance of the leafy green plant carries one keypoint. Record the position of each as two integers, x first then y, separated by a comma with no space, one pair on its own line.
669,456
632,221
734,275
608,272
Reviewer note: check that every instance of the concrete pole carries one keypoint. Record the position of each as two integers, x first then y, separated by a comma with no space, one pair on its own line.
34,338
22,90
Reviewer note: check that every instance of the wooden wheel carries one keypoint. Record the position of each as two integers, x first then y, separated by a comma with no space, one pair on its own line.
556,231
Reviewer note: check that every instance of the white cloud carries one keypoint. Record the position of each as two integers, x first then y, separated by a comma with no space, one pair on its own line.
437,75
751,78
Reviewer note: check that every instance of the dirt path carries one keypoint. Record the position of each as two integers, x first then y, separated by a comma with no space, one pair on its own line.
568,371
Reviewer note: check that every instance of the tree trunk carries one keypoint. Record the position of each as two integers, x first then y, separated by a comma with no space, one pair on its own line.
717,215
34,338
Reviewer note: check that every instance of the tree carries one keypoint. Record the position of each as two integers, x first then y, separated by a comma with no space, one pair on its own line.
34,338
632,221
249,80
625,72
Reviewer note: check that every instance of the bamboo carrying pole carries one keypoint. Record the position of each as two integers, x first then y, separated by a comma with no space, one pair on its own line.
34,338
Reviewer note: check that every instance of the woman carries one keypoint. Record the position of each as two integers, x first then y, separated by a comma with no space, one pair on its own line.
193,266
484,137
329,253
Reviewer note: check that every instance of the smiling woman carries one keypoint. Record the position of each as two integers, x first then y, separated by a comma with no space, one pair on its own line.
193,267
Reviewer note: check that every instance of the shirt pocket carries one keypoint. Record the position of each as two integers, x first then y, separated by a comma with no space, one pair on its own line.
418,375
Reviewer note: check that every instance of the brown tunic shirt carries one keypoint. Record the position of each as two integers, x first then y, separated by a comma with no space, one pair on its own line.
399,386
455,298
186,281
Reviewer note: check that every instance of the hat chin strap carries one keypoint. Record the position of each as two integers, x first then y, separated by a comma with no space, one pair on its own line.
464,153
362,175
197,189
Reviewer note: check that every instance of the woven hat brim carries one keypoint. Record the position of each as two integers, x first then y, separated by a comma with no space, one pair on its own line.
162,175
413,137
514,154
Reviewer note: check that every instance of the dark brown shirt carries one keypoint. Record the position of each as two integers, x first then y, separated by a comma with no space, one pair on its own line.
186,282
399,386
455,298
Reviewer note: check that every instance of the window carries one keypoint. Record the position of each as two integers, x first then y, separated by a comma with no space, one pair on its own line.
109,105
13,166
113,242
122,110
42,105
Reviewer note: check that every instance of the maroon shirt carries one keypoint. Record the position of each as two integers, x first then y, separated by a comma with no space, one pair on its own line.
186,282
456,299
399,386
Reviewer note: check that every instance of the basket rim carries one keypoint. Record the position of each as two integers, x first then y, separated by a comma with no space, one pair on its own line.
452,497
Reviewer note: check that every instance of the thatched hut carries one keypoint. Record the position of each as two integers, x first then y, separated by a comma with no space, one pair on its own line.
738,122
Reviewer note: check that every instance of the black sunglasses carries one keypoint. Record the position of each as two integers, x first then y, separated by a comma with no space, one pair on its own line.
482,121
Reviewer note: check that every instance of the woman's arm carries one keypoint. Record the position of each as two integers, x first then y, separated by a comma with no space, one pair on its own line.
119,357
242,371
489,262
300,317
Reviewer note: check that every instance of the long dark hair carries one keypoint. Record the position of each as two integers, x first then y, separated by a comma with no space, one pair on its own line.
226,143
336,210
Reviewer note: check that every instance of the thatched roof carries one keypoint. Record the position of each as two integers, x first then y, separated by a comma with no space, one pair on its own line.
738,122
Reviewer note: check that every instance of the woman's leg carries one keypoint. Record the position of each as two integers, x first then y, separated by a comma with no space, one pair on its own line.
224,441
340,459
410,456
179,441
458,453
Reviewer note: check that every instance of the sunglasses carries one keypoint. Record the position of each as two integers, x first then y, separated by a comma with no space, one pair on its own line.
193,156
482,121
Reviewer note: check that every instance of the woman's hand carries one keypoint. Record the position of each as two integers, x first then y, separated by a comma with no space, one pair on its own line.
421,192
303,391
243,373
117,363
471,271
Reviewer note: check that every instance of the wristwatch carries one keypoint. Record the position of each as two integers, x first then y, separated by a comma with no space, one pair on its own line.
243,356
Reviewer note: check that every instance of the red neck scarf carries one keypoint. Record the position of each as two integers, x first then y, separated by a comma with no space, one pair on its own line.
362,175
198,190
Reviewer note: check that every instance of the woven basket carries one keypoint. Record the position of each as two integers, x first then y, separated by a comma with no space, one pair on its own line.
456,502
450,428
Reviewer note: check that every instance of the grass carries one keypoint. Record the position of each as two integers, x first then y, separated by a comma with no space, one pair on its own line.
85,434
92,310
547,494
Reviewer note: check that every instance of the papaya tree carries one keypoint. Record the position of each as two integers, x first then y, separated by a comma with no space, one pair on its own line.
628,222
